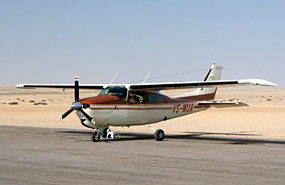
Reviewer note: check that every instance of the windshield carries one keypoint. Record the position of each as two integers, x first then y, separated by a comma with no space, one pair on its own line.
119,91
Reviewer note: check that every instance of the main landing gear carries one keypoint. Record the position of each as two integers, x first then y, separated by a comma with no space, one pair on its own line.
158,134
99,132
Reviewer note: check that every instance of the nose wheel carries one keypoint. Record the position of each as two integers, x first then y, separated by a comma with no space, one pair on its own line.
99,132
95,136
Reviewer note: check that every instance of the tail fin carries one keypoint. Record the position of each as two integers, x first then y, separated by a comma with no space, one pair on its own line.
214,73
205,94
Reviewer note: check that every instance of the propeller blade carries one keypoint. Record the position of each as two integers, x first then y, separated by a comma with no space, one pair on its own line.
87,116
65,114
76,89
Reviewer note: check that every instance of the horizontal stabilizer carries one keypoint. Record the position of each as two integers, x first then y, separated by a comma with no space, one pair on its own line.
223,104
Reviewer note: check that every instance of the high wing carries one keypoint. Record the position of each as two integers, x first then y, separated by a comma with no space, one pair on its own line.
158,86
61,86
200,84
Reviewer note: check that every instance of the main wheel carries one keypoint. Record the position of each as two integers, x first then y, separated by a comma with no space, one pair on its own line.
104,132
95,136
159,135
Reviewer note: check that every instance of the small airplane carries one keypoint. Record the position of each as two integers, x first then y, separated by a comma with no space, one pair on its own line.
144,104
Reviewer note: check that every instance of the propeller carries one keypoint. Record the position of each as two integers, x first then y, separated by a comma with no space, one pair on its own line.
65,114
76,105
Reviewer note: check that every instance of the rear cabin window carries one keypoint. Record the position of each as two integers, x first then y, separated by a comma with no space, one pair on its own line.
144,97
156,98
138,97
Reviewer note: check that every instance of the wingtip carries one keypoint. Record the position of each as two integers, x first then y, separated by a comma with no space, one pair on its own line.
24,86
20,86
242,104
265,83
259,82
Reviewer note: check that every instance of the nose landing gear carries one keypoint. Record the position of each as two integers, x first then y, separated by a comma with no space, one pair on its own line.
104,132
96,135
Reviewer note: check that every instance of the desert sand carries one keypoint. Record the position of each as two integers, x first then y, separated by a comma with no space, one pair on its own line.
263,119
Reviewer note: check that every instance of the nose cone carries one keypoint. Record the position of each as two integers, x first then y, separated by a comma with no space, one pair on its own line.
76,105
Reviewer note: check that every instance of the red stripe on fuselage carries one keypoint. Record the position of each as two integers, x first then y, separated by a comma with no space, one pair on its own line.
203,97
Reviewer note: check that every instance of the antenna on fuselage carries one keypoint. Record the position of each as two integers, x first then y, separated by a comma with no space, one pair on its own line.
146,77
114,77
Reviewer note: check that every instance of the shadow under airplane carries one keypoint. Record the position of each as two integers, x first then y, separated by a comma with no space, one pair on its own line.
229,138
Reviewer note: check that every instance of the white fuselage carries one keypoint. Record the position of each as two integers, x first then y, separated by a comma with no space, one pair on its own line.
138,114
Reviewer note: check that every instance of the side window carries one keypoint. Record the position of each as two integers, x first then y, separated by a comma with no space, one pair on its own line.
156,98
137,97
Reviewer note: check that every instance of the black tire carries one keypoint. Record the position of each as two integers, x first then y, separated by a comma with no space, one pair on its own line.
95,137
159,135
104,132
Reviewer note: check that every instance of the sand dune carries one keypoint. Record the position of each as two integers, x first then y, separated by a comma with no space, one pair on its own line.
264,118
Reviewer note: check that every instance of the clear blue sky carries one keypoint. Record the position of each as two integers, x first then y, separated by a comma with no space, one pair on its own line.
51,41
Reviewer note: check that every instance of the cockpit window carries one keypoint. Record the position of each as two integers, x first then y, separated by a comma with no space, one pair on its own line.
119,91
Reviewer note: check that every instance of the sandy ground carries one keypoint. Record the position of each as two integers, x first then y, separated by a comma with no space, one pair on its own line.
263,119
